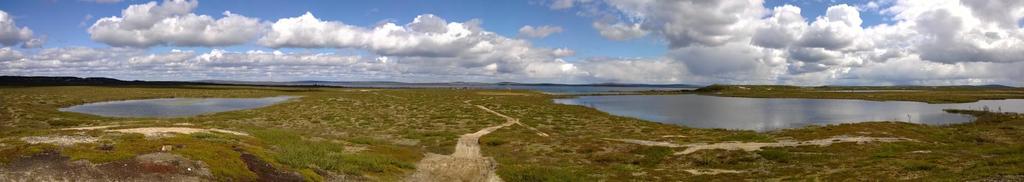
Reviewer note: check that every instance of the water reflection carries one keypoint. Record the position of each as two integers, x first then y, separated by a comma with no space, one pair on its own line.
763,114
172,107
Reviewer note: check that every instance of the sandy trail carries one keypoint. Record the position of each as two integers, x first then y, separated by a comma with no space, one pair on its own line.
711,171
159,131
755,146
466,163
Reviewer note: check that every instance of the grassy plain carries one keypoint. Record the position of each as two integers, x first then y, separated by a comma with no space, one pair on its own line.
379,134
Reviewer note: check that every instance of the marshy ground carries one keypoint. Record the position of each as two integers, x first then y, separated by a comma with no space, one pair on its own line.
337,134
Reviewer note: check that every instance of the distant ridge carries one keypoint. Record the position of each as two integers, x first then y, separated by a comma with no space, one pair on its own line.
722,87
59,81
915,87
102,81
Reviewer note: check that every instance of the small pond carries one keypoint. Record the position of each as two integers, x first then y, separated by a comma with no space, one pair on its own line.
764,114
172,107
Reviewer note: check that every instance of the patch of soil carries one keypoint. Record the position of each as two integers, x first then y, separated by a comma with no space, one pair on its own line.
52,166
267,172
1002,178
48,166
435,167
755,146
160,131
711,171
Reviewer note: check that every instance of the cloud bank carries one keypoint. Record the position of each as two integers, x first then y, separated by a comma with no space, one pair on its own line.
172,23
538,32
11,34
926,42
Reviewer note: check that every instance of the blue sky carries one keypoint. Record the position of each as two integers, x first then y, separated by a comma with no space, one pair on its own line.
61,20
936,42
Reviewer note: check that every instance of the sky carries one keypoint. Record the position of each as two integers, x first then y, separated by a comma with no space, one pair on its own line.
809,42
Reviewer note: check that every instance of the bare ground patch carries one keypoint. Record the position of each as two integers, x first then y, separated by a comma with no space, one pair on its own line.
51,166
159,131
711,171
62,140
755,146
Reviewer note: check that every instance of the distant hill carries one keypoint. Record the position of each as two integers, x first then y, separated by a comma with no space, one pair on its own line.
60,81
916,87
719,87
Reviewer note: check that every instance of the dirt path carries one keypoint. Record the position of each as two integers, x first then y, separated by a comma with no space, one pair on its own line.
159,131
755,146
711,171
466,163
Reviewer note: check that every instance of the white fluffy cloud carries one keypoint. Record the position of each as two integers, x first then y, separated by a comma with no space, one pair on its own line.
951,41
430,42
8,54
538,32
633,70
427,35
619,31
173,23
11,34
693,22
561,4
177,65
565,4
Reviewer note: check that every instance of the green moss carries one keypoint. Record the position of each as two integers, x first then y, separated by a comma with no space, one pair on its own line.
538,173
747,136
21,149
652,155
311,175
124,147
776,155
219,155
292,150
491,141
915,165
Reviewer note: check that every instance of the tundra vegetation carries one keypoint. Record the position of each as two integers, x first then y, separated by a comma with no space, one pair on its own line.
381,135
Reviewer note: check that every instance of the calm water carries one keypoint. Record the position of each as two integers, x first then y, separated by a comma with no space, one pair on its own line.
173,107
562,90
769,114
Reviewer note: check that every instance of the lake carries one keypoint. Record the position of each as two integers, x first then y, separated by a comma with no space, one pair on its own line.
569,90
765,114
172,107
